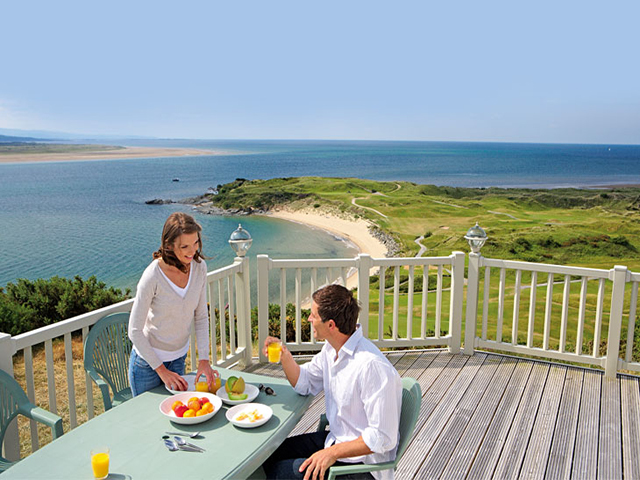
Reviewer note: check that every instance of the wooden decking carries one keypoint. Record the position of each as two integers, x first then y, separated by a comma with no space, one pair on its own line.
493,416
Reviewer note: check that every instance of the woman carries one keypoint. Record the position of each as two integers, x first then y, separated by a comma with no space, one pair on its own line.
171,296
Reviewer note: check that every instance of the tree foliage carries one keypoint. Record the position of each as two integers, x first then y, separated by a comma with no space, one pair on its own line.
27,305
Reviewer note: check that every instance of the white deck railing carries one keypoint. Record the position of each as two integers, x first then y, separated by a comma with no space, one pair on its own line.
511,306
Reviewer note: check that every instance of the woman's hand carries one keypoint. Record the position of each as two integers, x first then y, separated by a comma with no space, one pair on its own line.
204,368
172,380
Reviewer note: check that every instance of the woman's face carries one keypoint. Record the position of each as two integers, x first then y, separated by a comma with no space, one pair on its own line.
185,247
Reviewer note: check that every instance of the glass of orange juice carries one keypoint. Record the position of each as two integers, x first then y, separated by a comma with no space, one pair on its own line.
274,350
100,462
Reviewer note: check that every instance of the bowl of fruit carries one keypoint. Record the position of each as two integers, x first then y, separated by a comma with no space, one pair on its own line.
188,408
236,391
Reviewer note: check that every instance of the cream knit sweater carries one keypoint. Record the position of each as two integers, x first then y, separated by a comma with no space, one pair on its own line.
162,319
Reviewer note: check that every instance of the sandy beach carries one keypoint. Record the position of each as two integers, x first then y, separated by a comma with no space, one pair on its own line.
126,152
356,231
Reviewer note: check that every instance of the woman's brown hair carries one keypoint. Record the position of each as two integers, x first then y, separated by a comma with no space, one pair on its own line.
177,224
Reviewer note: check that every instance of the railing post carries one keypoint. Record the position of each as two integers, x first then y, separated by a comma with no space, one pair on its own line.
471,315
244,310
365,262
11,447
455,304
615,321
263,303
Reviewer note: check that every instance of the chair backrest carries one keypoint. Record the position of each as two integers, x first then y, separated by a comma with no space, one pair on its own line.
107,350
411,402
12,396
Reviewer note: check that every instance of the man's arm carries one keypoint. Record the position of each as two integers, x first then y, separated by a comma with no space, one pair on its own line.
318,463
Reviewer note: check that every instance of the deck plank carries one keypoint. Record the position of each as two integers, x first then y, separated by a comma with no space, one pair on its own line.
477,427
435,382
585,455
630,395
561,455
491,448
537,452
610,452
458,420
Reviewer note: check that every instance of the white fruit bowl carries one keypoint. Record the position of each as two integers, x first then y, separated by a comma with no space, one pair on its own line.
165,407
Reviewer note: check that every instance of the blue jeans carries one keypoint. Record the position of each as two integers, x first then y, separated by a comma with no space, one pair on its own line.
285,462
143,378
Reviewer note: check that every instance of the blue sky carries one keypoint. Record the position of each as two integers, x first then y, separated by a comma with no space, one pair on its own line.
542,71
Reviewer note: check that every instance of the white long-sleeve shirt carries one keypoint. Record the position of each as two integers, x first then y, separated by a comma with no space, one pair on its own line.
161,318
363,397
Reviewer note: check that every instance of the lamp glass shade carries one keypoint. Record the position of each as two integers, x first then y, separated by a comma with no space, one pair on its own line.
476,236
240,240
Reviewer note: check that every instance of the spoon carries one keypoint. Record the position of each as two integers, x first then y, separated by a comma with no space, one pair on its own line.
171,445
181,441
186,434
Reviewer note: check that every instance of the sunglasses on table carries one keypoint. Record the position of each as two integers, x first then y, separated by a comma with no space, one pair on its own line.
267,390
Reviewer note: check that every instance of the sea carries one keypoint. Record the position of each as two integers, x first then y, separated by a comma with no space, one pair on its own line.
69,218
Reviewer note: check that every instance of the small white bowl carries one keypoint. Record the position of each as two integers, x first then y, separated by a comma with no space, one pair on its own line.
251,391
191,384
165,407
234,412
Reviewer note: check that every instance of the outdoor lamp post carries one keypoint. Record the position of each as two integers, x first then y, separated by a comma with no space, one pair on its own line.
476,237
240,240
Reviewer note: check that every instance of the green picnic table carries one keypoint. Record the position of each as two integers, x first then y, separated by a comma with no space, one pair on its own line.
133,432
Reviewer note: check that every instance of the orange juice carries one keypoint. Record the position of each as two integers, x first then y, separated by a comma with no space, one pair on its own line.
100,463
274,350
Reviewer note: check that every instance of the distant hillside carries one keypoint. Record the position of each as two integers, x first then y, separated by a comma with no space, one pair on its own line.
13,139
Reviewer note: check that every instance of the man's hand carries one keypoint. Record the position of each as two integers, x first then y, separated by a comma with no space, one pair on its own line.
318,463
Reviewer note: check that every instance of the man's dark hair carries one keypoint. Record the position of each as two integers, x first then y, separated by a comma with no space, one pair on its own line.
337,303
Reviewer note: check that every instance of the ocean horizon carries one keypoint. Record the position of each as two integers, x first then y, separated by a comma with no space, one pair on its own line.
86,218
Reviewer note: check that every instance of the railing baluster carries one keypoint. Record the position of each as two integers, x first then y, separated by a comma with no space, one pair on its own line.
581,315
547,311
632,321
51,382
485,301
313,286
31,394
516,308
223,321
381,288
88,382
233,345
71,389
500,305
566,293
213,323
438,302
283,304
532,309
298,293
344,274
410,304
598,327
396,300
425,300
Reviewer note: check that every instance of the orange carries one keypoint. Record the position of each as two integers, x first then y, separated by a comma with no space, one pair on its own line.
176,404
207,407
194,404
192,399
189,413
201,412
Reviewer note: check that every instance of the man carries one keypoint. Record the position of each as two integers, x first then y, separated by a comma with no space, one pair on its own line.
363,395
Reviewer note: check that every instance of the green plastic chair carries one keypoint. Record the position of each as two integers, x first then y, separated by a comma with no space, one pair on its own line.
13,401
106,358
411,401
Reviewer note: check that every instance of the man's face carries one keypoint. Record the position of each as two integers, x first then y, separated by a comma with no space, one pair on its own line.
320,328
